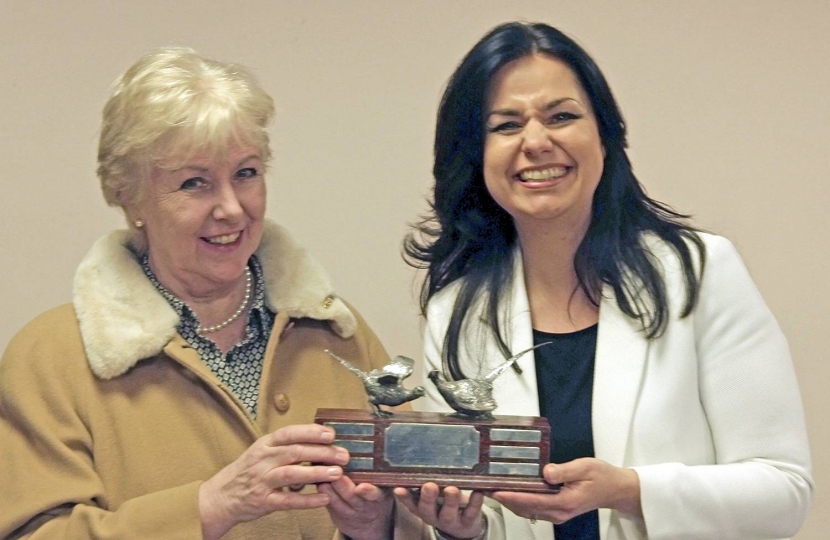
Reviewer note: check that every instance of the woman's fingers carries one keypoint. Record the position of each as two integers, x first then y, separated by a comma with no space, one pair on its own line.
427,503
343,487
473,509
449,510
354,496
370,493
309,453
299,434
296,475
359,509
533,506
258,482
406,498
281,500
337,502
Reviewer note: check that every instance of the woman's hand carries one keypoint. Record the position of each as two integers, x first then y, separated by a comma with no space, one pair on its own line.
257,483
589,483
457,515
362,512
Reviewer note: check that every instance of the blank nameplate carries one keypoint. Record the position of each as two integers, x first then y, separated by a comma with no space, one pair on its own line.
515,435
360,464
513,469
342,428
514,452
355,446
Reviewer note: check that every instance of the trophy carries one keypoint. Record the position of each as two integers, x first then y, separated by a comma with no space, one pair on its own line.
470,449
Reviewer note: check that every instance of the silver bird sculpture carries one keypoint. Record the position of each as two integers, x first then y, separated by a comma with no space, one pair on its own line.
383,386
473,398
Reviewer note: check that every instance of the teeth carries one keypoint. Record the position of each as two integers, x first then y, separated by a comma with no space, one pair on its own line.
543,175
225,239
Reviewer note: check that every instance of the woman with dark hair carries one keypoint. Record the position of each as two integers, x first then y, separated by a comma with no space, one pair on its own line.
674,406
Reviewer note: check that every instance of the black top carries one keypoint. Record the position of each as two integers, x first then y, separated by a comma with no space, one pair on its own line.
565,379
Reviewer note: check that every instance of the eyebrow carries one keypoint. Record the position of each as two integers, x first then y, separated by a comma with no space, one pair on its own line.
201,168
512,112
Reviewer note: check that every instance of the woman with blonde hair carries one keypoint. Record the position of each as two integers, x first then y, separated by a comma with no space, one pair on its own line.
174,397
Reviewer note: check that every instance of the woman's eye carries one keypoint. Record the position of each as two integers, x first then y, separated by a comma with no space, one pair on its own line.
248,172
504,127
562,117
192,183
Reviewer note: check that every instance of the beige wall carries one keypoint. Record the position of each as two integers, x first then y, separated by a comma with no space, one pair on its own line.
726,101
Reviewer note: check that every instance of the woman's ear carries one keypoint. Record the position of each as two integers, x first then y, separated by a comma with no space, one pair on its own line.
134,220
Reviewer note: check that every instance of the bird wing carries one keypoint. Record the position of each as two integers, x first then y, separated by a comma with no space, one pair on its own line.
465,393
400,366
386,379
476,395
501,368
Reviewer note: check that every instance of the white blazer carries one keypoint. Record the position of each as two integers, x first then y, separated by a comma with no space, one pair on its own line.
709,414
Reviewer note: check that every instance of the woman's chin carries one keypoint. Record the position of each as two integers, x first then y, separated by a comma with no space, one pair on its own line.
224,269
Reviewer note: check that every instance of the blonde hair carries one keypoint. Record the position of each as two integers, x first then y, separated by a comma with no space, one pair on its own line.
169,105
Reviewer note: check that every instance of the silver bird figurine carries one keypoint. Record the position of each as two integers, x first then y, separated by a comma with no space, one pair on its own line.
383,386
473,398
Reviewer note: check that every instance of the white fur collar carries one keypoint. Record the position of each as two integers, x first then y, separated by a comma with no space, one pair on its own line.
124,319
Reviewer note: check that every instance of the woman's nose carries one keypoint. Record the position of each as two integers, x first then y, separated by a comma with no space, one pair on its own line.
536,139
228,206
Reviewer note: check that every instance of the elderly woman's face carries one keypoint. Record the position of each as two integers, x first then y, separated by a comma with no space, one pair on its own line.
543,157
203,220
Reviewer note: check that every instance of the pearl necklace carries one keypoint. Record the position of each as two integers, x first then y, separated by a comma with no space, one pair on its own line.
237,313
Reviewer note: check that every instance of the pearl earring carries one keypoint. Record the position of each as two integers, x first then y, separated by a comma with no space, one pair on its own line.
138,223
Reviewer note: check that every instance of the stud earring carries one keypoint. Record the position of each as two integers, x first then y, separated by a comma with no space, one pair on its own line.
138,224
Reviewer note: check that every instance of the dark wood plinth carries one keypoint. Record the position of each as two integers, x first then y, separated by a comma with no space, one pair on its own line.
477,475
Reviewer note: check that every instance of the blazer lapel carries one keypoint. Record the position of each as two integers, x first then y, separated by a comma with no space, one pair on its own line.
620,357
517,394
619,363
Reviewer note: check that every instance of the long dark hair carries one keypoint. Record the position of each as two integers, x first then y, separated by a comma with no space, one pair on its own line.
468,235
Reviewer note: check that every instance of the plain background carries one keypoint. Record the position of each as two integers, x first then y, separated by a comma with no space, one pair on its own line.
726,104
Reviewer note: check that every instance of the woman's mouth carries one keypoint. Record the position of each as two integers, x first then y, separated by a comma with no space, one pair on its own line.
543,175
223,239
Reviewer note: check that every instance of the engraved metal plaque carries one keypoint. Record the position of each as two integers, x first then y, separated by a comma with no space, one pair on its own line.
517,469
516,452
516,435
361,464
432,445
355,447
345,428
409,449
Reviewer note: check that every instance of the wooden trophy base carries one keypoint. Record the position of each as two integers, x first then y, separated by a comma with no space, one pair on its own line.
408,449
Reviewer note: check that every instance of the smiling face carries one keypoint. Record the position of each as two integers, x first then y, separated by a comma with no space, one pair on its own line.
203,220
543,157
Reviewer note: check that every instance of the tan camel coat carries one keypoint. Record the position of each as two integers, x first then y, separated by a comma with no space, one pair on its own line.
109,421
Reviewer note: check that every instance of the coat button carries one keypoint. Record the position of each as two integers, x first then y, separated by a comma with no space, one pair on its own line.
281,402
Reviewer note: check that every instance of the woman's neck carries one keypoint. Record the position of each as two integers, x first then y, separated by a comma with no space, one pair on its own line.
217,309
557,303
212,304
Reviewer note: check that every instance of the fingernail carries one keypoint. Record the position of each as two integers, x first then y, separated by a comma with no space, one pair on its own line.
327,436
342,456
334,472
